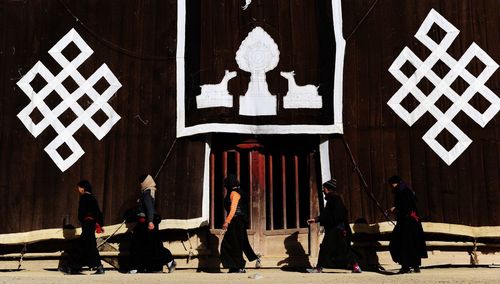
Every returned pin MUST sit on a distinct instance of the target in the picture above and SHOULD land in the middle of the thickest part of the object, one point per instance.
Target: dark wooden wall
(468, 191)
(137, 40)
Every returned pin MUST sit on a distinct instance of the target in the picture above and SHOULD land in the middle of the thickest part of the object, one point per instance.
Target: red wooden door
(278, 175)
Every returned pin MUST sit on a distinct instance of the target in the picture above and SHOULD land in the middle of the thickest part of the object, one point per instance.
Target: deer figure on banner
(216, 95)
(300, 96)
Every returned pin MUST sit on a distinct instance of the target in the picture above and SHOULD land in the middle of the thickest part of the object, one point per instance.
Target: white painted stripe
(338, 85)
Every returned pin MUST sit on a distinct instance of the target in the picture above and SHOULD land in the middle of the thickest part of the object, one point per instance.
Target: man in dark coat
(90, 216)
(335, 250)
(407, 245)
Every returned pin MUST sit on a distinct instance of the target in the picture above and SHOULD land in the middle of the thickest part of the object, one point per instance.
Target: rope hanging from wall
(110, 44)
(364, 185)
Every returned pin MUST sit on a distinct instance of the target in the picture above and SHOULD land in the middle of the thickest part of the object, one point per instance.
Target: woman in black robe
(235, 241)
(407, 245)
(147, 251)
(85, 252)
(335, 249)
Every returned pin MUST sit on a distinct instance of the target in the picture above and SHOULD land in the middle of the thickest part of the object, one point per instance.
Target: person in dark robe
(147, 251)
(335, 249)
(90, 216)
(235, 241)
(407, 243)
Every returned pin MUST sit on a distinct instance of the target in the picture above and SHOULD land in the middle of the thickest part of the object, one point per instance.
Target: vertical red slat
(271, 189)
(297, 199)
(260, 199)
(224, 171)
(238, 167)
(283, 188)
(212, 190)
(250, 185)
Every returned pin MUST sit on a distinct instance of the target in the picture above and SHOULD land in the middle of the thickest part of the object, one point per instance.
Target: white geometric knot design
(68, 100)
(460, 102)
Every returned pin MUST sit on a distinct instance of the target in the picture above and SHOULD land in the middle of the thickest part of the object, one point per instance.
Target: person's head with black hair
(231, 182)
(84, 186)
(394, 181)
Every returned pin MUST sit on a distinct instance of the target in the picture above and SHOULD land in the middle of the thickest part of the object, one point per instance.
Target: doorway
(278, 174)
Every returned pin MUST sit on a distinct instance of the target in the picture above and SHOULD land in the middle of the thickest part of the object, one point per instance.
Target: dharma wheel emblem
(259, 54)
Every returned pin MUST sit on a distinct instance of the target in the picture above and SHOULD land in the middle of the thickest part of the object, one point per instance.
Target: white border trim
(337, 127)
(179, 66)
(206, 184)
(324, 158)
(338, 86)
(324, 154)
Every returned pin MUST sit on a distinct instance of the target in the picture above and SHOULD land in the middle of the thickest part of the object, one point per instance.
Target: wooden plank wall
(467, 192)
(136, 39)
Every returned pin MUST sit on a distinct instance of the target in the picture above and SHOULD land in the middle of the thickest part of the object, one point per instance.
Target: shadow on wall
(365, 246)
(70, 242)
(208, 253)
(298, 259)
(119, 243)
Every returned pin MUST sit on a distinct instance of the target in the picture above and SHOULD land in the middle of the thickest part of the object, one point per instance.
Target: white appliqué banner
(245, 72)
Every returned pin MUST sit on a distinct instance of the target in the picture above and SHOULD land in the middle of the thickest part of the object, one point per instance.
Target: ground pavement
(44, 271)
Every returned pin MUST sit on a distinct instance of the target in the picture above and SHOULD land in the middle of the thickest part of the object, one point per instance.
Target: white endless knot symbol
(442, 87)
(69, 100)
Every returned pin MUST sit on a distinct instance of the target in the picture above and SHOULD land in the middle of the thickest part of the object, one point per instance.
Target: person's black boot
(404, 269)
(70, 271)
(65, 270)
(99, 270)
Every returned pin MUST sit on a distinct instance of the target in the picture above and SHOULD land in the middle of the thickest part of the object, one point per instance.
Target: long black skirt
(335, 250)
(235, 243)
(84, 250)
(147, 251)
(407, 245)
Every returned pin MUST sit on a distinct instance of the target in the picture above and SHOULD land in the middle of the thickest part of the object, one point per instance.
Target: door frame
(324, 168)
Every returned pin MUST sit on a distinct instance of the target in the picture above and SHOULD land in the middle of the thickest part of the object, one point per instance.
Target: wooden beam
(378, 228)
(61, 234)
(430, 227)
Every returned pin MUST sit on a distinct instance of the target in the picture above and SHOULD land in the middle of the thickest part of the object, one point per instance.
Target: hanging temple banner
(260, 68)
